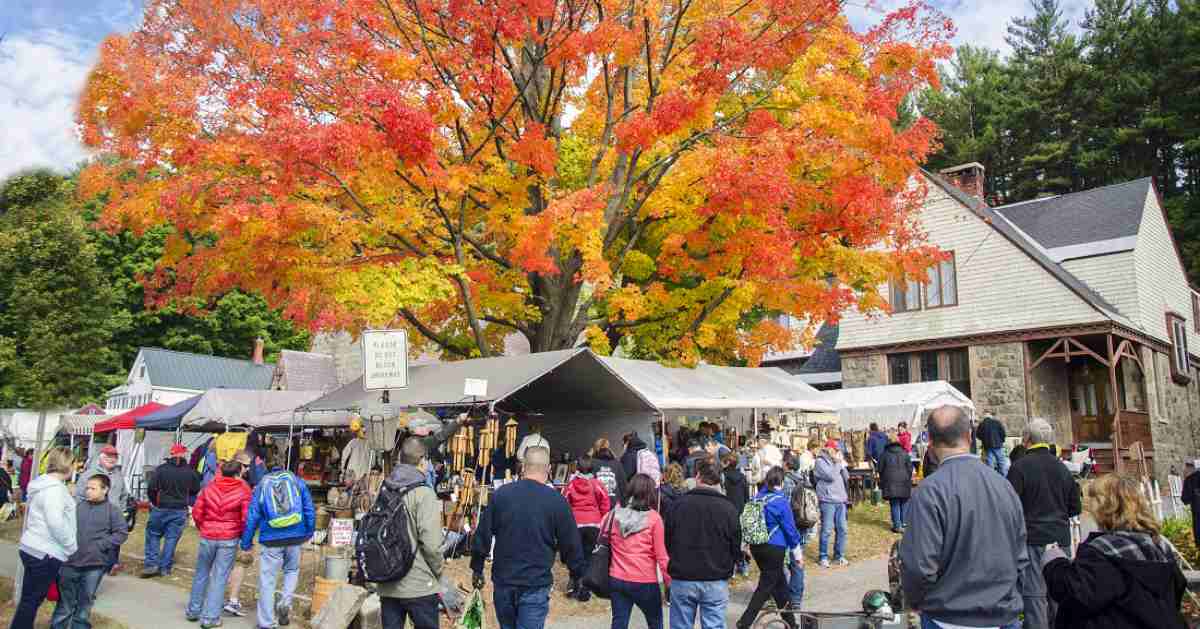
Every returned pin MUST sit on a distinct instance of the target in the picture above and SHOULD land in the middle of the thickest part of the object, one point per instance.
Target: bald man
(530, 523)
(964, 546)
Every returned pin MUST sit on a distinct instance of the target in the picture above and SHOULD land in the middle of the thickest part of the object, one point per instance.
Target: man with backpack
(282, 514)
(637, 459)
(414, 593)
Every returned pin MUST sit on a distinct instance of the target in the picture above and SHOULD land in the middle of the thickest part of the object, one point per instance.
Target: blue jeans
(796, 574)
(521, 607)
(272, 559)
(39, 574)
(929, 623)
(833, 515)
(214, 560)
(708, 598)
(997, 459)
(164, 528)
(76, 593)
(898, 506)
(646, 596)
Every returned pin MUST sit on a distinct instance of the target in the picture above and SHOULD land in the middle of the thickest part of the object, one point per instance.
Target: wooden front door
(1091, 403)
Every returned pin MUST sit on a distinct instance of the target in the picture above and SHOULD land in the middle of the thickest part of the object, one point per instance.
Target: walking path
(146, 604)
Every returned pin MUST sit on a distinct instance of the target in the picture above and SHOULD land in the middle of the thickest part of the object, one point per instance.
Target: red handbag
(52, 593)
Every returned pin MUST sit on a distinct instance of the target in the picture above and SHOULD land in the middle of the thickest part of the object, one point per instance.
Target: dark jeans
(423, 611)
(772, 583)
(646, 596)
(76, 594)
(587, 537)
(521, 607)
(39, 574)
(898, 506)
(163, 530)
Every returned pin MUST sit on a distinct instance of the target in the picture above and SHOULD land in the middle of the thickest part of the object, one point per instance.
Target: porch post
(1118, 463)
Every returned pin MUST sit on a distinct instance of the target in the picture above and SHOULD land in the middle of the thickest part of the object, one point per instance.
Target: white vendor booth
(888, 405)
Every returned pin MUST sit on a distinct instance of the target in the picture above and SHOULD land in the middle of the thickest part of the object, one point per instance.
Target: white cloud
(41, 76)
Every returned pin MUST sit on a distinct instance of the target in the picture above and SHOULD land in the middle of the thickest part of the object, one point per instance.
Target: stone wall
(864, 370)
(998, 383)
(1050, 399)
(1174, 415)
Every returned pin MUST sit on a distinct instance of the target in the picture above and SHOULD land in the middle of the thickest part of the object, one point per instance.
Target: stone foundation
(998, 383)
(864, 370)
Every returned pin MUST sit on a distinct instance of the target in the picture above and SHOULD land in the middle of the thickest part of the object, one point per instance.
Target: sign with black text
(385, 359)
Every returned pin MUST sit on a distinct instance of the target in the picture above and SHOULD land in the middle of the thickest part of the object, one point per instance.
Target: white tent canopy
(708, 387)
(894, 403)
(251, 408)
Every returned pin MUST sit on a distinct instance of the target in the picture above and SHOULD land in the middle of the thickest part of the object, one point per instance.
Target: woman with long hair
(1124, 575)
(771, 556)
(673, 486)
(49, 536)
(639, 554)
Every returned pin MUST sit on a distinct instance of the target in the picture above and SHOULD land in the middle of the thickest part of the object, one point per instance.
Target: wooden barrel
(321, 593)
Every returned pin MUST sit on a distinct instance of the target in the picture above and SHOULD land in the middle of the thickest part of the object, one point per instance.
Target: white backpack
(647, 464)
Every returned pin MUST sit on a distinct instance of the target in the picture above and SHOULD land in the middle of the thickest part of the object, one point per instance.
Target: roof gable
(825, 357)
(198, 372)
(306, 371)
(1107, 214)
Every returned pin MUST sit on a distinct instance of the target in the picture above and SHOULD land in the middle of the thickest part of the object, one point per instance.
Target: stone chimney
(257, 357)
(969, 178)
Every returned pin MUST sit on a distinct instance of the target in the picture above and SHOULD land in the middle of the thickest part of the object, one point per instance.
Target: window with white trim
(1177, 328)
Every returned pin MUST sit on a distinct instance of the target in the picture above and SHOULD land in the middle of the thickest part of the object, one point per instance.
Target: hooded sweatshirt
(832, 480)
(1119, 579)
(117, 493)
(630, 456)
(49, 520)
(425, 530)
(99, 528)
(639, 550)
(588, 499)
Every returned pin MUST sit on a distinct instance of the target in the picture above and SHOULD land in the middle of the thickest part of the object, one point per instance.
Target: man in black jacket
(1191, 497)
(172, 489)
(991, 433)
(703, 539)
(1050, 498)
(529, 522)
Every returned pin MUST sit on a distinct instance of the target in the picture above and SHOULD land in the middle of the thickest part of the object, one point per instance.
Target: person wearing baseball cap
(172, 489)
(107, 463)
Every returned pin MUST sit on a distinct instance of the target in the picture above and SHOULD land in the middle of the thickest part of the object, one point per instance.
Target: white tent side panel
(888, 405)
(150, 453)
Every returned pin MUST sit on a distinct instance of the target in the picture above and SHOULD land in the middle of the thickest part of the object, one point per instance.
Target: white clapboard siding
(1162, 284)
(1000, 287)
(1113, 276)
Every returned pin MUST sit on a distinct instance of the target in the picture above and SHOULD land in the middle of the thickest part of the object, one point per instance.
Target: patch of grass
(7, 609)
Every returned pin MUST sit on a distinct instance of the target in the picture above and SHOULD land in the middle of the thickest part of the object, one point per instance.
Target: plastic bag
(474, 615)
(452, 597)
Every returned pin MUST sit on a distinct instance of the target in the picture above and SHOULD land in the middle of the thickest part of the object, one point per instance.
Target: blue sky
(49, 45)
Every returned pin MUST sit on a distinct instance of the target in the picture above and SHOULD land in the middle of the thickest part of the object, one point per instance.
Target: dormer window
(1177, 328)
(142, 372)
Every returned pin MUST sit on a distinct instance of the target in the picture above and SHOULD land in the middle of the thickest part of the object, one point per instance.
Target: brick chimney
(969, 178)
(257, 357)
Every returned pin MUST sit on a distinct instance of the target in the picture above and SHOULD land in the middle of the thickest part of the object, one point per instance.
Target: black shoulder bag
(596, 578)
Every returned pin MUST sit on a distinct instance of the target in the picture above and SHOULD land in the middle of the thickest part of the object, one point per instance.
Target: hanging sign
(475, 387)
(341, 532)
(385, 359)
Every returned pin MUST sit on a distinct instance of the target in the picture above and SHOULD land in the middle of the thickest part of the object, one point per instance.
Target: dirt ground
(43, 619)
(869, 536)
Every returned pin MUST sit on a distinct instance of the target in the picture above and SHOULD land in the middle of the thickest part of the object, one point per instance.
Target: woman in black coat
(1123, 576)
(895, 479)
(737, 488)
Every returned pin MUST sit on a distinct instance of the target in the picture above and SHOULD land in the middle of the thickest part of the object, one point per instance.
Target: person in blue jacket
(771, 557)
(282, 514)
(877, 441)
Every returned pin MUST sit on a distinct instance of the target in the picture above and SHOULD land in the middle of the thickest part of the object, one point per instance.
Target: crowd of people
(979, 548)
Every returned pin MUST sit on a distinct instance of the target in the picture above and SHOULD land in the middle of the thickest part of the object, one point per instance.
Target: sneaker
(191, 618)
(233, 608)
(149, 572)
(842, 562)
(211, 625)
(824, 563)
(281, 616)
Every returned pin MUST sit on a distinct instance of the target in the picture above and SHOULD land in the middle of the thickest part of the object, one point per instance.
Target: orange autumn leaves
(641, 174)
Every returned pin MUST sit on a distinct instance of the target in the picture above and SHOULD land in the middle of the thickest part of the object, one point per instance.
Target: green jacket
(425, 529)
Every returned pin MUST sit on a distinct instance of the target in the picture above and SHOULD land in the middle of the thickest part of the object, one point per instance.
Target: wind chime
(510, 444)
(487, 442)
(462, 446)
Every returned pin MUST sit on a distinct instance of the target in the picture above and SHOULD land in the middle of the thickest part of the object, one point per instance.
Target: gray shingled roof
(307, 371)
(1001, 224)
(1093, 215)
(825, 357)
(182, 370)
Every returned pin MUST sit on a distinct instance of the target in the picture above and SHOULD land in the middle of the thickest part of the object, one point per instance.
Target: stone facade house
(1074, 308)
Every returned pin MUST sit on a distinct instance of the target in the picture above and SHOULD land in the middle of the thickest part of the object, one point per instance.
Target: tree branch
(428, 333)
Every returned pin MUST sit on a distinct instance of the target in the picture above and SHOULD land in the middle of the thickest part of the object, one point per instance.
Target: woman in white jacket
(49, 535)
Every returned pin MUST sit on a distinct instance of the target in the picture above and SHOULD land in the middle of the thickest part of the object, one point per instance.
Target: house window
(942, 287)
(951, 365)
(142, 372)
(905, 296)
(1177, 327)
(1196, 312)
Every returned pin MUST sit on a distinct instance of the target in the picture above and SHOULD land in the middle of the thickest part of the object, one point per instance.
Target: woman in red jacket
(589, 502)
(639, 555)
(220, 516)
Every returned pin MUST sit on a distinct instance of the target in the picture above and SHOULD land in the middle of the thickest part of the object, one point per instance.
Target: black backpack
(384, 550)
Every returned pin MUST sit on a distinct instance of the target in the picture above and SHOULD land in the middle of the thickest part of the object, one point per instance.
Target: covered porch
(1092, 385)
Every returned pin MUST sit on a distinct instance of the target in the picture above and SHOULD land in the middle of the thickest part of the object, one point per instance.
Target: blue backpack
(281, 500)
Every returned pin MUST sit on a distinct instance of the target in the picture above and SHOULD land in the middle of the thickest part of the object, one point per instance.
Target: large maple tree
(656, 173)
